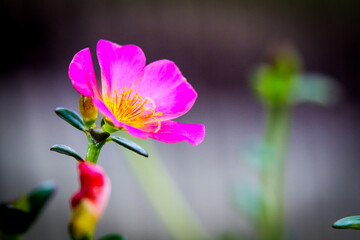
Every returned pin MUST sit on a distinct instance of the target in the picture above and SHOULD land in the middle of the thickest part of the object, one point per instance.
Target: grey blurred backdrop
(216, 44)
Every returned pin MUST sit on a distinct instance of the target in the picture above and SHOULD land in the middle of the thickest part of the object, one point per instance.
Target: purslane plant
(139, 99)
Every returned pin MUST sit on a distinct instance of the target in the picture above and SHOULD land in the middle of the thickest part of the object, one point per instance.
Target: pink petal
(172, 132)
(81, 73)
(166, 86)
(120, 66)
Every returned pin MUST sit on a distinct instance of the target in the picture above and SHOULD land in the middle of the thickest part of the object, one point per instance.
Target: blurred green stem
(166, 199)
(271, 214)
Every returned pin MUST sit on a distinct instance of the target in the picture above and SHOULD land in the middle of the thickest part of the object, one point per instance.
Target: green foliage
(129, 145)
(71, 117)
(98, 135)
(63, 149)
(13, 220)
(352, 222)
(17, 217)
(112, 236)
(318, 89)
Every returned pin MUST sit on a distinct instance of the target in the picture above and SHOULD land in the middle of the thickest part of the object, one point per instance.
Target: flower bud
(276, 83)
(88, 110)
(90, 201)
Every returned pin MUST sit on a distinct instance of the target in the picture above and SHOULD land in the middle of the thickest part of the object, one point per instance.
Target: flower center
(129, 108)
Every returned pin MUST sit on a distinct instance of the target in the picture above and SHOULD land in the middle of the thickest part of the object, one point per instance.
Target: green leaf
(129, 145)
(98, 135)
(63, 149)
(18, 216)
(317, 88)
(13, 220)
(71, 117)
(112, 236)
(39, 196)
(352, 222)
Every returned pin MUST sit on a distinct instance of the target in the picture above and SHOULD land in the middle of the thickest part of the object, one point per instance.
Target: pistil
(129, 108)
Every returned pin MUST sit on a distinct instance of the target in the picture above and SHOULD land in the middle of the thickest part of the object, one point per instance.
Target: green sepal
(71, 117)
(98, 135)
(102, 122)
(108, 126)
(18, 216)
(129, 145)
(63, 149)
(351, 222)
(112, 236)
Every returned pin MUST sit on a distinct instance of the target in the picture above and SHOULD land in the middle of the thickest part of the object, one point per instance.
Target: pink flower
(90, 201)
(140, 99)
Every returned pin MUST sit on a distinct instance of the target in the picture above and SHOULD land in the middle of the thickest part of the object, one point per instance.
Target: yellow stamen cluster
(129, 108)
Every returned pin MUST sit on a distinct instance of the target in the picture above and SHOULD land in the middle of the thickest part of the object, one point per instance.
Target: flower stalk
(271, 214)
(276, 85)
(93, 149)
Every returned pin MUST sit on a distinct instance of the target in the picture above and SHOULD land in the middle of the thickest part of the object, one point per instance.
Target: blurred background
(216, 44)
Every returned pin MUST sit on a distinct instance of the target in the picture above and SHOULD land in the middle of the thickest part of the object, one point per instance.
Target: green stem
(93, 150)
(164, 196)
(271, 215)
